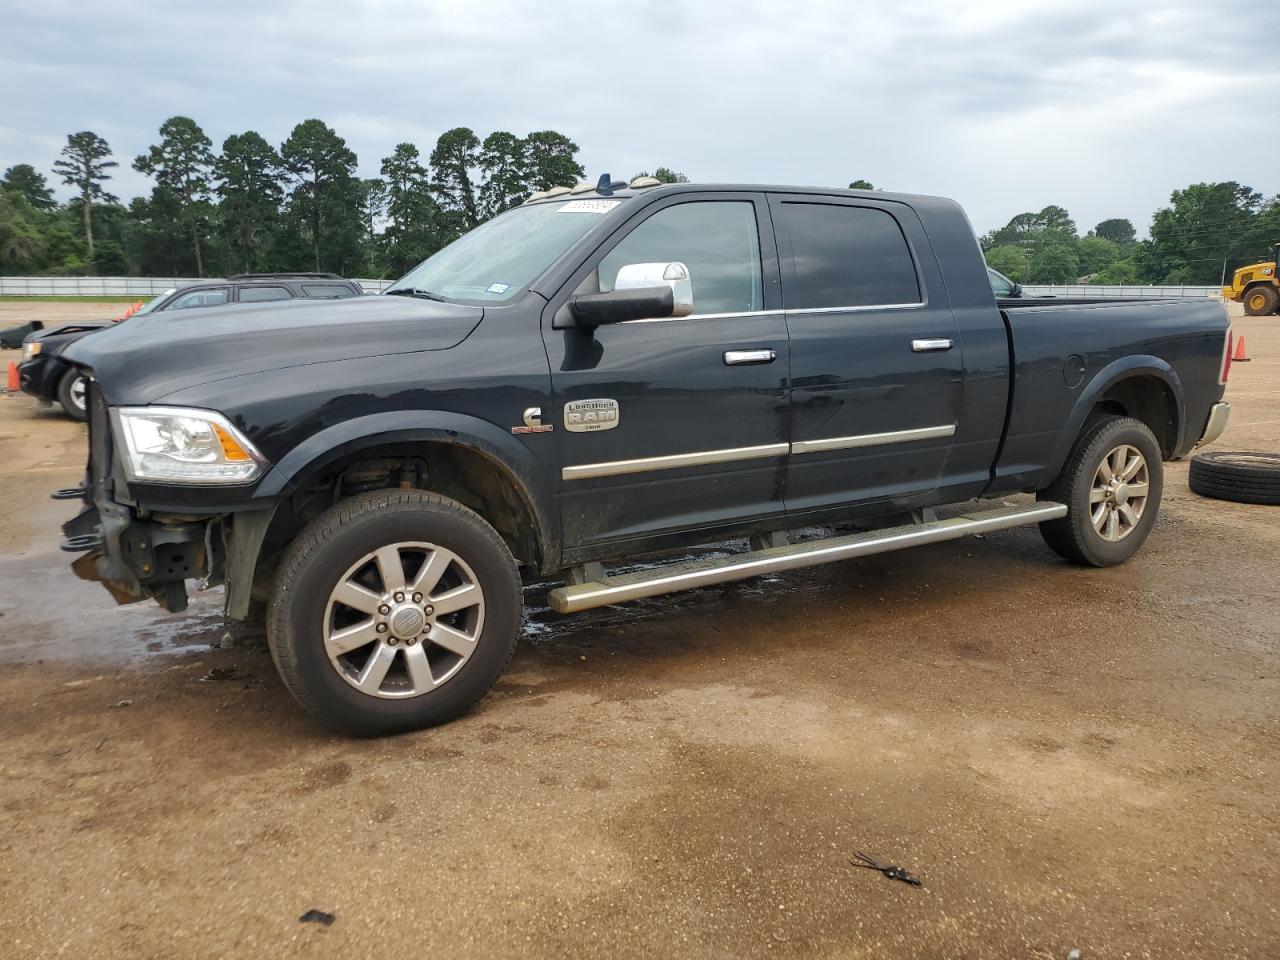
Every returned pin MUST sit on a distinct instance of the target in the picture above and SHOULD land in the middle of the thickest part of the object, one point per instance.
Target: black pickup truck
(606, 372)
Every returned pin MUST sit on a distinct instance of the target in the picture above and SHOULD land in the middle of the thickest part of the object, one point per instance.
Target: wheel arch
(460, 457)
(1143, 387)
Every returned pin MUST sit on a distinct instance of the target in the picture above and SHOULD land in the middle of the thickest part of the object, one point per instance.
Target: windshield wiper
(415, 292)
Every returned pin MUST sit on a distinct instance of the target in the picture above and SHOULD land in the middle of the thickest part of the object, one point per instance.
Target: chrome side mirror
(674, 275)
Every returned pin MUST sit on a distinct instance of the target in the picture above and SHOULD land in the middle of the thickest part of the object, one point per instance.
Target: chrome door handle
(925, 346)
(735, 358)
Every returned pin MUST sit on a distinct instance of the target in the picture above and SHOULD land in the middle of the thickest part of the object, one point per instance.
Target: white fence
(116, 286)
(1128, 290)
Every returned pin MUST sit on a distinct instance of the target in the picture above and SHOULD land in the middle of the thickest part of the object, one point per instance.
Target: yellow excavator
(1257, 286)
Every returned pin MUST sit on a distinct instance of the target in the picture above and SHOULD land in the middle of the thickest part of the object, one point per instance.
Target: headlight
(29, 350)
(184, 445)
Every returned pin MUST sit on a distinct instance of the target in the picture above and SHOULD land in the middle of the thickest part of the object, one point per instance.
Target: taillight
(1226, 356)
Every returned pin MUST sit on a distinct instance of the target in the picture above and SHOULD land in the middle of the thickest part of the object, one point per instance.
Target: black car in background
(45, 375)
(11, 338)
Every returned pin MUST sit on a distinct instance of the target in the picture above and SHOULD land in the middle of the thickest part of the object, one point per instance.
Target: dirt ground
(1069, 758)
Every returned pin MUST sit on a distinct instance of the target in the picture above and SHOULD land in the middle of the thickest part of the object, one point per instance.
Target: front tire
(1111, 483)
(394, 610)
(73, 394)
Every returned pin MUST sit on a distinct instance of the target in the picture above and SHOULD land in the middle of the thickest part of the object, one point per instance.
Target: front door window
(717, 240)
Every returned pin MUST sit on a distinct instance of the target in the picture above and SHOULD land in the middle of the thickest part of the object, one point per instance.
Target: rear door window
(262, 294)
(327, 291)
(846, 256)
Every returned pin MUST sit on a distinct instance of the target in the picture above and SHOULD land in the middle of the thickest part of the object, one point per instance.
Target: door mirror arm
(618, 306)
(641, 291)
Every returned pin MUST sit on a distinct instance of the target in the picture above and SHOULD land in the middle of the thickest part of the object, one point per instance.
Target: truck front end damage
(144, 559)
(135, 550)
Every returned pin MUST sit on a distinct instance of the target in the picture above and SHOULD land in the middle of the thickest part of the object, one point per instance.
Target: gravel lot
(1069, 758)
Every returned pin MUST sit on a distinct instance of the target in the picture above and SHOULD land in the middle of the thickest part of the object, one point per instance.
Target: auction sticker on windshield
(589, 206)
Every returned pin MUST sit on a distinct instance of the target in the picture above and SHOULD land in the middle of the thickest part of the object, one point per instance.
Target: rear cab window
(846, 256)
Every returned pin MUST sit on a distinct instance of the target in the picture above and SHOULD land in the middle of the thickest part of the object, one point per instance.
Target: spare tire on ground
(1240, 476)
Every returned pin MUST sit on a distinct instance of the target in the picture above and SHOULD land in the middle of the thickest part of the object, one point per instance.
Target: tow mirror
(642, 291)
(675, 275)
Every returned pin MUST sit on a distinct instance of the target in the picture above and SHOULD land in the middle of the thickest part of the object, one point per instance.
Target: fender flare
(527, 475)
(398, 426)
(1126, 368)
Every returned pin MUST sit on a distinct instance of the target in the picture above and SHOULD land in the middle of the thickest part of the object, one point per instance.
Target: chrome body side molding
(617, 468)
(872, 439)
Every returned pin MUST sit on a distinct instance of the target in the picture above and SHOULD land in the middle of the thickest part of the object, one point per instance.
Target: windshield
(498, 259)
(153, 303)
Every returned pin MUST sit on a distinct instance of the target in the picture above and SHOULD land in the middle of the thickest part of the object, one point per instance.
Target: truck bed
(1067, 352)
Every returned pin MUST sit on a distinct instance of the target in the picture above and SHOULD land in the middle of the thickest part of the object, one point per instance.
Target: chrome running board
(604, 590)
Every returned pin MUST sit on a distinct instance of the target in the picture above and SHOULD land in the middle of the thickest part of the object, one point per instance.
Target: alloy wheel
(80, 392)
(1118, 495)
(403, 620)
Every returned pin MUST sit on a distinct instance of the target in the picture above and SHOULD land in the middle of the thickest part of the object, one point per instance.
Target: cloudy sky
(1102, 106)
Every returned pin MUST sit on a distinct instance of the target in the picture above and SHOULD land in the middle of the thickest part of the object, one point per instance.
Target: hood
(155, 354)
(67, 332)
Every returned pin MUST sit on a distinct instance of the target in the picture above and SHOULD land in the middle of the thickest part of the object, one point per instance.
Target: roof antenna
(606, 185)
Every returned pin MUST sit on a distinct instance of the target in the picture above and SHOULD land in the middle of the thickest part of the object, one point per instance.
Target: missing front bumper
(140, 559)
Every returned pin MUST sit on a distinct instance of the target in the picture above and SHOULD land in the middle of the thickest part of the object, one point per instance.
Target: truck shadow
(936, 597)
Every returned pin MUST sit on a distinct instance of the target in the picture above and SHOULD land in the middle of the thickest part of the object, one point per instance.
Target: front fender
(333, 443)
(1119, 370)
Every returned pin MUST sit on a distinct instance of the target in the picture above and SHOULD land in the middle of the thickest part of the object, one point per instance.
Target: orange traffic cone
(1240, 356)
(13, 377)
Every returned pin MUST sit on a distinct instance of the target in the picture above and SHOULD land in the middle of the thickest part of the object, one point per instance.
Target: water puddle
(48, 613)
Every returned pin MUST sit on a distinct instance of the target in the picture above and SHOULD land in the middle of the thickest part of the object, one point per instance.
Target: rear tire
(340, 581)
(1111, 483)
(1261, 301)
(73, 394)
